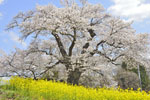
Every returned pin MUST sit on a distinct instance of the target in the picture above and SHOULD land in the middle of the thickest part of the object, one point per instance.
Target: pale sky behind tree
(137, 11)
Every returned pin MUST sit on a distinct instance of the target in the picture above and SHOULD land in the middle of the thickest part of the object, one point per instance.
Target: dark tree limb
(73, 43)
(60, 45)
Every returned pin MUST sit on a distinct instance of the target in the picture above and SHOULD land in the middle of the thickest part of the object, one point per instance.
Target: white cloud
(1, 1)
(136, 10)
(16, 39)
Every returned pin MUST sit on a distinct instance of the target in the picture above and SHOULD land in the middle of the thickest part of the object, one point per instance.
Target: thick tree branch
(62, 51)
(60, 45)
(73, 43)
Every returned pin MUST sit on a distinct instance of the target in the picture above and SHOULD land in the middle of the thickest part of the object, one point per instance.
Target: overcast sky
(132, 10)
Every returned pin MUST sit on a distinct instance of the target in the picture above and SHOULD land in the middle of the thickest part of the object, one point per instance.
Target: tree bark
(62, 51)
(74, 76)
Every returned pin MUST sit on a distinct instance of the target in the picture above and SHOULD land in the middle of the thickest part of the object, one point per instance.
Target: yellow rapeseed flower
(51, 90)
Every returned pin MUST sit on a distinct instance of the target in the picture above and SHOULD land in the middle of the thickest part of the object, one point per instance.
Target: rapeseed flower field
(50, 90)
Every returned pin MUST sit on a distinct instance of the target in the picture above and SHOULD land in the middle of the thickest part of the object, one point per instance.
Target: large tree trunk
(74, 76)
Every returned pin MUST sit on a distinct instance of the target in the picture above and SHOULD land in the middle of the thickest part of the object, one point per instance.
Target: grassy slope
(11, 95)
(28, 89)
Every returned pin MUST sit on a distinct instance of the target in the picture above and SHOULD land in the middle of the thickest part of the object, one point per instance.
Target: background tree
(79, 37)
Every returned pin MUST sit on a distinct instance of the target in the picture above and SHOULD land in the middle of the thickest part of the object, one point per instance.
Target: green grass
(6, 94)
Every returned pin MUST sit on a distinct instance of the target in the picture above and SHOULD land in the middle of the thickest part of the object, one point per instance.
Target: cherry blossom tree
(80, 37)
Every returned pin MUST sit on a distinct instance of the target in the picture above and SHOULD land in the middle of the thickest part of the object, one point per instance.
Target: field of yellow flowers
(48, 90)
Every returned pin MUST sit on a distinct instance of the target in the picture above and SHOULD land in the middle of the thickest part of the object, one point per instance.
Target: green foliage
(9, 94)
(127, 80)
(134, 70)
(144, 77)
